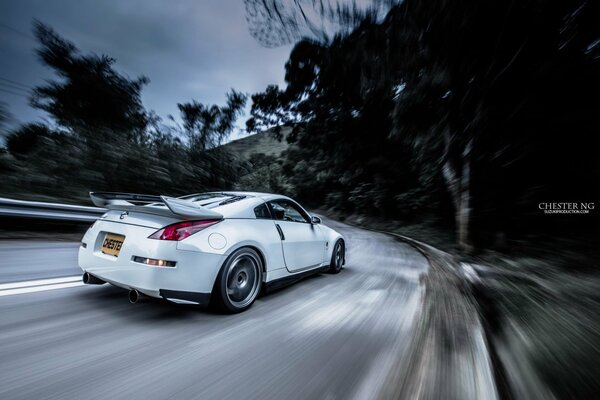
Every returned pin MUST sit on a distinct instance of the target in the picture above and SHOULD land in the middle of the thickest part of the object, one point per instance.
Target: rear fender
(229, 235)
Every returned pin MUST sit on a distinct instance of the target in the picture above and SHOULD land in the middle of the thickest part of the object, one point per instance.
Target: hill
(263, 142)
(260, 154)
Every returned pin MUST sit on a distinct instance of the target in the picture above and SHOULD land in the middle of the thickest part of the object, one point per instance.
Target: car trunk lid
(139, 218)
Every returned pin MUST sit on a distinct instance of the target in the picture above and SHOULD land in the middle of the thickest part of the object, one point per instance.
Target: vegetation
(104, 139)
(467, 115)
(473, 112)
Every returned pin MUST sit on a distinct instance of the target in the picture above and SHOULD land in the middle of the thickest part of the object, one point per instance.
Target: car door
(302, 242)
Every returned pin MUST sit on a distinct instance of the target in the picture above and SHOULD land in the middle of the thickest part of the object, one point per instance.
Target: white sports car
(220, 247)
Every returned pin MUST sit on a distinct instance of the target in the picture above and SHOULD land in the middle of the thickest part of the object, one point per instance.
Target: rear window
(212, 200)
(262, 212)
(201, 196)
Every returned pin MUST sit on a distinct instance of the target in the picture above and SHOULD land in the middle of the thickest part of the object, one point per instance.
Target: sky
(190, 49)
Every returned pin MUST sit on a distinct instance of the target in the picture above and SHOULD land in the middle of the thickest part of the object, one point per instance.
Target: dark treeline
(471, 112)
(465, 113)
(102, 138)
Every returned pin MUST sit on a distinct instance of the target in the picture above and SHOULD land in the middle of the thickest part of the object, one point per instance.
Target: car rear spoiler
(150, 204)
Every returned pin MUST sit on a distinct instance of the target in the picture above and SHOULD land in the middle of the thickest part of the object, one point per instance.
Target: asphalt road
(22, 260)
(327, 337)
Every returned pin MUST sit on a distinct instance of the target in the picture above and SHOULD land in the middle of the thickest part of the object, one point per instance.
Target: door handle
(281, 235)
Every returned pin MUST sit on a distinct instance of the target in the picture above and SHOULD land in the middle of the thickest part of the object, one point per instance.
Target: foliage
(207, 126)
(470, 110)
(90, 94)
(104, 139)
(343, 155)
(277, 22)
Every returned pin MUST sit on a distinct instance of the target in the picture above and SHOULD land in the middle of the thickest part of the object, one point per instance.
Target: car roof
(244, 207)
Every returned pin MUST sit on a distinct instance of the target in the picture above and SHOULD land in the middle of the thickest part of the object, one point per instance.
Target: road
(326, 337)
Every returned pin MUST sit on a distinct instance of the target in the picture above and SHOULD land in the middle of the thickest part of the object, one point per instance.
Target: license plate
(112, 244)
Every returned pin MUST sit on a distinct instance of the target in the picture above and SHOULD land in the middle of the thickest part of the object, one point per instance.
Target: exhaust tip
(134, 296)
(91, 280)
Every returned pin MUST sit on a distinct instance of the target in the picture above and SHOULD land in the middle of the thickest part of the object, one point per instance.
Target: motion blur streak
(39, 282)
(26, 260)
(325, 337)
(9, 289)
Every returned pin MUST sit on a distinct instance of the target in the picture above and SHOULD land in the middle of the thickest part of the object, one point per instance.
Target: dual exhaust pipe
(89, 279)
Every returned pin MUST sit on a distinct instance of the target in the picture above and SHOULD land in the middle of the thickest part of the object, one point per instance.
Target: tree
(104, 139)
(89, 96)
(483, 77)
(343, 152)
(277, 22)
(207, 126)
(481, 93)
(26, 139)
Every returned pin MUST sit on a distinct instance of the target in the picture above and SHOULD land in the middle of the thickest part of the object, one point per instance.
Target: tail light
(181, 230)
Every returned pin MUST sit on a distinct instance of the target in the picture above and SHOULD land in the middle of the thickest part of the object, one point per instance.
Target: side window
(262, 211)
(287, 211)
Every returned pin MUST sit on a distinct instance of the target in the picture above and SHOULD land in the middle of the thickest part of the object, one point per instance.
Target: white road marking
(39, 285)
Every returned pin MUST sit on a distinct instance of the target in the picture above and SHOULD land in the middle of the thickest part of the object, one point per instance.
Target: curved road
(326, 337)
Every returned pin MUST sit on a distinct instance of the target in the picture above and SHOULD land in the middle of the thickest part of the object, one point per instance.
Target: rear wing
(149, 204)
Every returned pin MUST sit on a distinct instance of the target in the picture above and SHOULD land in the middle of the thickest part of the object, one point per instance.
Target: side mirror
(315, 220)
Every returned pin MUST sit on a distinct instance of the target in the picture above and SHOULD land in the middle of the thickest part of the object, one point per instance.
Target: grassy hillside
(257, 162)
(263, 142)
(261, 155)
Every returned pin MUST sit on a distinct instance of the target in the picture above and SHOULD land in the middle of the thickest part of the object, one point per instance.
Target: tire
(239, 281)
(337, 257)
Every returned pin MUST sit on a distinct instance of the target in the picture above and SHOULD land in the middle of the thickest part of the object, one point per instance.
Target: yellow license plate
(112, 244)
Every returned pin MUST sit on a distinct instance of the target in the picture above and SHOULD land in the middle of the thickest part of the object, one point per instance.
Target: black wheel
(239, 281)
(337, 257)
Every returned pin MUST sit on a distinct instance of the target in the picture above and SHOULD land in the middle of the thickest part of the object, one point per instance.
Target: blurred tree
(208, 126)
(340, 112)
(104, 139)
(277, 22)
(90, 97)
(495, 81)
(474, 97)
(26, 139)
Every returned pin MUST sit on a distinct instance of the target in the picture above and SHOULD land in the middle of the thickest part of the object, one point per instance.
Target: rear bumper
(178, 296)
(175, 296)
(191, 280)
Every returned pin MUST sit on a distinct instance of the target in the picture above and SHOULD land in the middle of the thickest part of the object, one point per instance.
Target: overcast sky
(190, 49)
